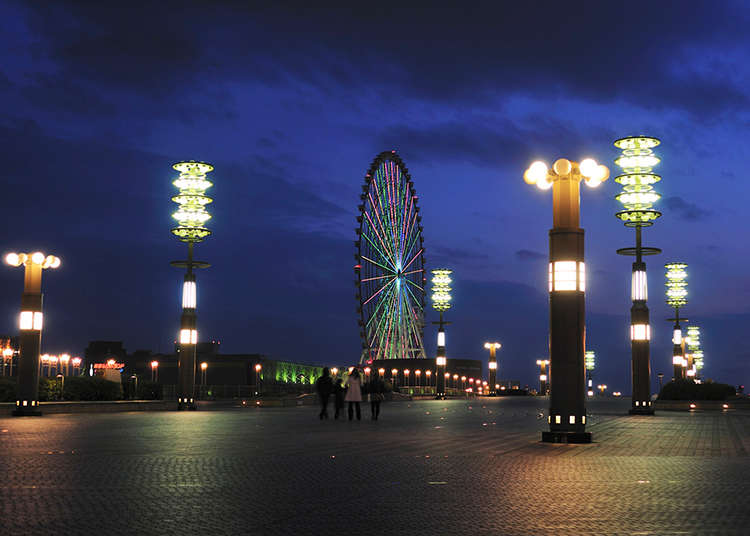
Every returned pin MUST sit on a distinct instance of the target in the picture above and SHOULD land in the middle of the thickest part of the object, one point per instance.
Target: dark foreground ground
(429, 467)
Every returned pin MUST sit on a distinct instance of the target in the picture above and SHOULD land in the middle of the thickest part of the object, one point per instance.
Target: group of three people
(351, 392)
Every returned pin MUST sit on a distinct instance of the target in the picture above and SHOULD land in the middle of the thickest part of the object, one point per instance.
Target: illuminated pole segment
(638, 198)
(590, 363)
(677, 297)
(30, 326)
(543, 376)
(191, 216)
(567, 286)
(441, 302)
(492, 365)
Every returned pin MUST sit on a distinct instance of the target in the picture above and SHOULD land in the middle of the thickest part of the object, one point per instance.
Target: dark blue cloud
(291, 102)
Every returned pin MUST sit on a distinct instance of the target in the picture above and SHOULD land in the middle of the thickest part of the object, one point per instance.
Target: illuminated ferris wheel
(390, 263)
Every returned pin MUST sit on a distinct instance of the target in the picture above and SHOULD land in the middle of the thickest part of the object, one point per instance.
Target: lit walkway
(424, 468)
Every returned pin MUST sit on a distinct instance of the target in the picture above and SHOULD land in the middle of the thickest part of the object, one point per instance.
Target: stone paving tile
(455, 467)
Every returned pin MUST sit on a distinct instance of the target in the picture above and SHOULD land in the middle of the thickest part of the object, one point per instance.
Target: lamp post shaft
(567, 342)
(30, 343)
(640, 343)
(640, 357)
(493, 370)
(188, 343)
(543, 382)
(440, 369)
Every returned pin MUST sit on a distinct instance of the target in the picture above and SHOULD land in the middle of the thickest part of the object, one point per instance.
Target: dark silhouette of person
(354, 393)
(376, 390)
(338, 393)
(324, 386)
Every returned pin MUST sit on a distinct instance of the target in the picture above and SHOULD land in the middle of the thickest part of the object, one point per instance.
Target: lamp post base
(27, 412)
(186, 405)
(566, 437)
(641, 411)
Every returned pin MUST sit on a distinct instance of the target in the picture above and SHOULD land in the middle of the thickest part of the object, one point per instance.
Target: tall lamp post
(638, 198)
(543, 376)
(30, 326)
(258, 368)
(191, 217)
(589, 359)
(492, 365)
(567, 286)
(676, 298)
(441, 302)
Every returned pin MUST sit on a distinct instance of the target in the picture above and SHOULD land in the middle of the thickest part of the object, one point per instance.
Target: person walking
(338, 400)
(324, 386)
(354, 393)
(376, 390)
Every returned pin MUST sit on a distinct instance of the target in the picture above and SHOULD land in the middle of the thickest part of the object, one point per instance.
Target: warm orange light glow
(394, 371)
(258, 367)
(447, 375)
(111, 362)
(428, 372)
(154, 364)
(204, 365)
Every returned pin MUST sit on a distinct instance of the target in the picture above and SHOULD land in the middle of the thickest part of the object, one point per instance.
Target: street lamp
(676, 298)
(65, 364)
(8, 355)
(543, 377)
(638, 198)
(204, 369)
(601, 388)
(394, 376)
(258, 368)
(441, 302)
(567, 286)
(428, 377)
(589, 360)
(406, 376)
(492, 364)
(418, 381)
(154, 371)
(191, 217)
(30, 325)
(381, 372)
(76, 366)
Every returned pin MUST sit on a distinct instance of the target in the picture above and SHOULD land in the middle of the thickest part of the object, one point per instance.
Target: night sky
(291, 104)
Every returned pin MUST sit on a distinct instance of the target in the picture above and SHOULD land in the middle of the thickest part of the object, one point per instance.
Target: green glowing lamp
(192, 214)
(638, 195)
(590, 359)
(676, 284)
(441, 297)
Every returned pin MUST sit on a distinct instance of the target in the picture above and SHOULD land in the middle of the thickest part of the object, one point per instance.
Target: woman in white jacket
(354, 393)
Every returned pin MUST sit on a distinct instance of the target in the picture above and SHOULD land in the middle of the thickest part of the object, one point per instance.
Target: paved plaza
(426, 467)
